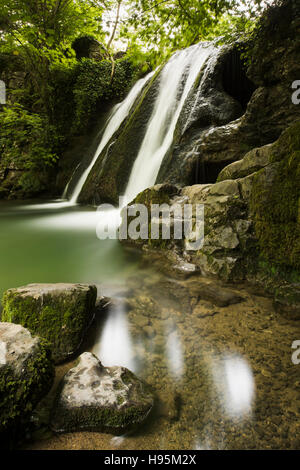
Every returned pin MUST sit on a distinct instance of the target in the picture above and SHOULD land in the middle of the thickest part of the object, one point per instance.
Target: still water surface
(40, 243)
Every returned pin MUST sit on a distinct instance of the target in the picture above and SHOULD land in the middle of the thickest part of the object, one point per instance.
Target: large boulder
(61, 313)
(228, 232)
(97, 398)
(26, 374)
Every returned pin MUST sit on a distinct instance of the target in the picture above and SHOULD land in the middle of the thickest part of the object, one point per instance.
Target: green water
(56, 245)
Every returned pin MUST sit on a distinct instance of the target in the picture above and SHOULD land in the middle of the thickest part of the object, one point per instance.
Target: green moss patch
(275, 203)
(61, 318)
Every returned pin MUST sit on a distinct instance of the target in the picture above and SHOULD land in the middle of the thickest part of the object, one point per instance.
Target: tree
(162, 26)
(41, 32)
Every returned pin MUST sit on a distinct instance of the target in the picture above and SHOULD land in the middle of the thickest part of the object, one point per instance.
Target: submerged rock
(61, 313)
(98, 398)
(213, 292)
(287, 301)
(26, 374)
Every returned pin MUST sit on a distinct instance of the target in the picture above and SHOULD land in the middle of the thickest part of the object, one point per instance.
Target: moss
(111, 419)
(275, 203)
(123, 416)
(62, 321)
(19, 395)
(148, 197)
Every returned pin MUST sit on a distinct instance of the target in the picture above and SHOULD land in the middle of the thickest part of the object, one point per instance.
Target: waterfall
(183, 65)
(118, 115)
(175, 83)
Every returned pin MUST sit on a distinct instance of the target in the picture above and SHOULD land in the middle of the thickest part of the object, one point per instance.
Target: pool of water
(223, 377)
(56, 243)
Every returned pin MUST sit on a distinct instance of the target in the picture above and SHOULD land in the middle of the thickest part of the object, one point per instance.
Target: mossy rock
(160, 194)
(60, 313)
(275, 202)
(26, 375)
(92, 397)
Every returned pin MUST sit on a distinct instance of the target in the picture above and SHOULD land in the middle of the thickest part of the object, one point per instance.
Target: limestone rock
(26, 374)
(253, 161)
(60, 313)
(98, 398)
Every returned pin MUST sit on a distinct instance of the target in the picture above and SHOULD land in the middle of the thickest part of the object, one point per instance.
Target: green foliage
(93, 85)
(27, 142)
(26, 139)
(256, 35)
(276, 205)
(164, 26)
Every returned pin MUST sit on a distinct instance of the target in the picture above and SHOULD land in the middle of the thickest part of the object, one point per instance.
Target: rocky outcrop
(26, 375)
(251, 222)
(253, 161)
(88, 47)
(213, 103)
(61, 313)
(263, 89)
(228, 232)
(97, 398)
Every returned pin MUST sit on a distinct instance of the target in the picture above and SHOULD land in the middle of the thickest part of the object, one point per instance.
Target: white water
(115, 346)
(162, 124)
(119, 113)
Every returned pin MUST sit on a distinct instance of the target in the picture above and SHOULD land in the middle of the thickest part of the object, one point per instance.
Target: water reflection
(236, 386)
(174, 352)
(57, 204)
(115, 347)
(80, 221)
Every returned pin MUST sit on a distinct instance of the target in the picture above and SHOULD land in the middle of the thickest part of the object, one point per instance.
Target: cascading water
(185, 64)
(119, 113)
(176, 80)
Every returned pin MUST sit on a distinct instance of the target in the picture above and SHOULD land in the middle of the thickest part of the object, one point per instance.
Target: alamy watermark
(2, 92)
(155, 222)
(3, 352)
(296, 354)
(296, 94)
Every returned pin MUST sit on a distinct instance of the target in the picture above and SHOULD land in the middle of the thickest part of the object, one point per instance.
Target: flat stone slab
(61, 313)
(97, 398)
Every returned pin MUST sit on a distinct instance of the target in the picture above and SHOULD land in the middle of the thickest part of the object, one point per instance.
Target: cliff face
(263, 90)
(232, 108)
(252, 222)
